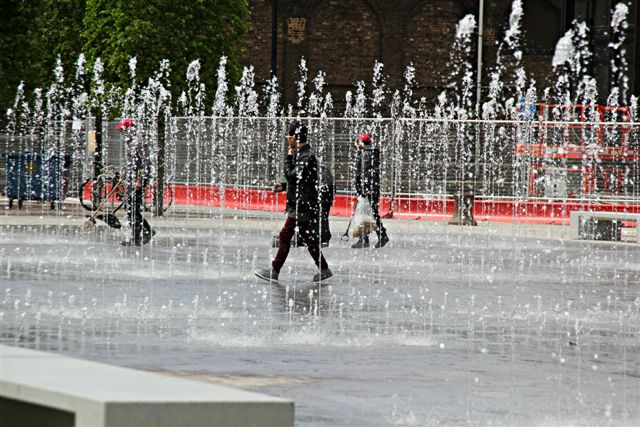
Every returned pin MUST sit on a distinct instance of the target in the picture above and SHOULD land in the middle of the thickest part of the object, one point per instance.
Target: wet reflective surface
(444, 326)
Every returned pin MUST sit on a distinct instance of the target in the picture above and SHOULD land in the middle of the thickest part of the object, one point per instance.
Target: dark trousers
(133, 206)
(308, 236)
(373, 201)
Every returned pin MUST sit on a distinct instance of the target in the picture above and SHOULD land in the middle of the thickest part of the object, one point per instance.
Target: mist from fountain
(498, 324)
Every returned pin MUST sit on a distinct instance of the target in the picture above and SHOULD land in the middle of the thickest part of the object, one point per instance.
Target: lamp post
(274, 37)
(476, 171)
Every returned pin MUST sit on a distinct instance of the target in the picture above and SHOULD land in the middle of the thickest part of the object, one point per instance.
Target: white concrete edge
(101, 393)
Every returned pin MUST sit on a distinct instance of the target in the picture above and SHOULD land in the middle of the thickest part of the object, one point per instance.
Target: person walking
(135, 171)
(327, 194)
(303, 206)
(367, 183)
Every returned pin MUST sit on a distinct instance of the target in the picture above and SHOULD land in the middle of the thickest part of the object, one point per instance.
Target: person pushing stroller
(135, 171)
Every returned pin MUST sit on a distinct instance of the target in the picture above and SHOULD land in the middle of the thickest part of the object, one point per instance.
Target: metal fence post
(159, 196)
(97, 155)
(394, 167)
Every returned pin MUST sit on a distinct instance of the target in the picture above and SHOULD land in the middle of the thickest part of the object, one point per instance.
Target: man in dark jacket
(327, 194)
(367, 182)
(303, 206)
(135, 171)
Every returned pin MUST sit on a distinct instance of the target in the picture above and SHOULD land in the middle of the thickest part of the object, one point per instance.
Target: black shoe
(322, 276)
(268, 274)
(383, 240)
(362, 243)
(147, 235)
(131, 243)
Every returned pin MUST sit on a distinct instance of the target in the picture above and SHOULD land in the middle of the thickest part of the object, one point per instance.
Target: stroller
(103, 196)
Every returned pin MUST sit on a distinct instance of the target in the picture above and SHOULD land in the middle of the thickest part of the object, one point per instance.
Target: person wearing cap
(135, 170)
(303, 206)
(367, 183)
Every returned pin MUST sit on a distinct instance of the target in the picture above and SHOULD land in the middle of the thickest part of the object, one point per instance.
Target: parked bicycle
(152, 196)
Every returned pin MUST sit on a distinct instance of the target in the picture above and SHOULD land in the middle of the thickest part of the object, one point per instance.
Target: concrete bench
(579, 218)
(46, 389)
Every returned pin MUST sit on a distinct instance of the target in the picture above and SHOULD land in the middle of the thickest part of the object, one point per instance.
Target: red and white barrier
(494, 210)
(434, 209)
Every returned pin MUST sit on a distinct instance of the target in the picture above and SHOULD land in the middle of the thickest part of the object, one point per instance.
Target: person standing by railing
(367, 183)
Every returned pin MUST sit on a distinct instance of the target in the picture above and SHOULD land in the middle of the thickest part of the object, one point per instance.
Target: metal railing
(524, 159)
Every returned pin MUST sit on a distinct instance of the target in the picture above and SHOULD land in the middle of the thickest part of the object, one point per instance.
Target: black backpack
(326, 186)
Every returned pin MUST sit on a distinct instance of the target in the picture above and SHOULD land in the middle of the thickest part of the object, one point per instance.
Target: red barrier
(236, 198)
(541, 212)
(406, 208)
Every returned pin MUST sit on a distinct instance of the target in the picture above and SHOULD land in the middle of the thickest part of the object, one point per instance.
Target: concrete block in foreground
(38, 388)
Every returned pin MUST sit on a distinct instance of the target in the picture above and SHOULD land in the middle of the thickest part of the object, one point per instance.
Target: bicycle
(151, 198)
(98, 193)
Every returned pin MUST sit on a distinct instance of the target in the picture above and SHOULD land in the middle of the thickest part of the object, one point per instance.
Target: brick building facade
(343, 38)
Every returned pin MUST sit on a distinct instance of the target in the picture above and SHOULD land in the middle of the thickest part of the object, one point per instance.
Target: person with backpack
(303, 206)
(367, 183)
(327, 195)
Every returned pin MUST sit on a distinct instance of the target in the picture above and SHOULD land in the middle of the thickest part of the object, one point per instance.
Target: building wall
(258, 39)
(343, 38)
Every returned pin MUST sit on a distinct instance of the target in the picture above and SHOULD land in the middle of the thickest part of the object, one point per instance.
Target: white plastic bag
(363, 221)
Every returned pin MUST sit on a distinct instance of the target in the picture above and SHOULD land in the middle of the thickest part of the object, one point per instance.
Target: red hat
(364, 138)
(125, 123)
